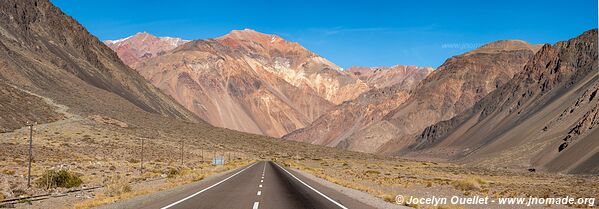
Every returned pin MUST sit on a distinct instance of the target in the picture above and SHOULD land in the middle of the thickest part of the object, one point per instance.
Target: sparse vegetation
(417, 179)
(466, 185)
(190, 176)
(116, 185)
(172, 172)
(8, 172)
(58, 178)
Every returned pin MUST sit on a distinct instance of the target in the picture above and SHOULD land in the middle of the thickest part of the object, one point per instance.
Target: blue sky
(349, 33)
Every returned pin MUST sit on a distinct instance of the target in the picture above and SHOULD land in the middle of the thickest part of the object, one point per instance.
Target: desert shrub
(372, 172)
(133, 160)
(481, 181)
(60, 178)
(389, 198)
(466, 185)
(116, 185)
(172, 172)
(9, 172)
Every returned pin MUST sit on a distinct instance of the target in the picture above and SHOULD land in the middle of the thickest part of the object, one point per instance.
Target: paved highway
(262, 185)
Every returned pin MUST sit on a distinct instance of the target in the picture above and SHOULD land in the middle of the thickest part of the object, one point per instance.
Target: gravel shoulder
(143, 199)
(354, 194)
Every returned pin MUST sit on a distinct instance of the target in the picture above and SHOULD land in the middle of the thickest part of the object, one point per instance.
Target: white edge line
(207, 188)
(320, 193)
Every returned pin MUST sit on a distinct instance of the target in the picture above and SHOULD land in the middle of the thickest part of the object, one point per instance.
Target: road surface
(262, 185)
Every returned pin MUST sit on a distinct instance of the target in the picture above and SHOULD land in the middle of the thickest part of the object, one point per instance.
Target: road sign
(218, 160)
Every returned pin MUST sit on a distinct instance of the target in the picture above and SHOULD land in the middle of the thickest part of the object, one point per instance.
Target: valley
(149, 121)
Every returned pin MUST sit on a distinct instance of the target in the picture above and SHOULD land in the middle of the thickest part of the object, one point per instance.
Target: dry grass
(466, 185)
(101, 151)
(186, 176)
(116, 185)
(385, 178)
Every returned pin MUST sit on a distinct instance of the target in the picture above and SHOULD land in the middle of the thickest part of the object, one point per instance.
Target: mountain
(546, 117)
(141, 46)
(48, 58)
(390, 87)
(381, 77)
(251, 82)
(451, 89)
(295, 64)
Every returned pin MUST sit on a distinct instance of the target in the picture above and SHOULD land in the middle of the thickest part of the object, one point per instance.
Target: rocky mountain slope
(47, 53)
(390, 87)
(141, 46)
(381, 77)
(546, 117)
(251, 82)
(452, 88)
(18, 107)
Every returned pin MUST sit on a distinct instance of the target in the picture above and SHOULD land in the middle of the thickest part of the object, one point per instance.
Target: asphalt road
(262, 185)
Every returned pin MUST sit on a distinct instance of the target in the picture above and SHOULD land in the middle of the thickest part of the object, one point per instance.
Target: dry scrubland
(81, 153)
(386, 178)
(102, 151)
(106, 153)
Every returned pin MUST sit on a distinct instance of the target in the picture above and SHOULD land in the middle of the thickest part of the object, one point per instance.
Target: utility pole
(142, 156)
(30, 153)
(181, 152)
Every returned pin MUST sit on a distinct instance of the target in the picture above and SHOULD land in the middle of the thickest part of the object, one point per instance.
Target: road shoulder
(360, 196)
(173, 193)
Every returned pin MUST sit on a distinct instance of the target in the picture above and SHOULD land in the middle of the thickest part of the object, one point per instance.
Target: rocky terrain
(390, 87)
(47, 53)
(251, 82)
(381, 77)
(452, 88)
(545, 118)
(142, 46)
(93, 111)
(18, 107)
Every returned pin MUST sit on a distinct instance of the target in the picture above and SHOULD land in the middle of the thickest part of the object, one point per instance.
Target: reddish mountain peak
(506, 45)
(248, 34)
(379, 77)
(142, 45)
(247, 37)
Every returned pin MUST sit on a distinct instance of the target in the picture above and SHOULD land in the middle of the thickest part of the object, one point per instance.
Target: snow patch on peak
(118, 40)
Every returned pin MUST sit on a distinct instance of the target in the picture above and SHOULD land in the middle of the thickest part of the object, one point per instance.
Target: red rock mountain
(47, 59)
(381, 77)
(141, 46)
(251, 82)
(390, 87)
(452, 88)
(546, 117)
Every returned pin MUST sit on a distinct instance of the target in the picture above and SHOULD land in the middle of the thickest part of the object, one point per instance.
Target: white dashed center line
(260, 185)
(261, 181)
(256, 205)
(259, 193)
(207, 188)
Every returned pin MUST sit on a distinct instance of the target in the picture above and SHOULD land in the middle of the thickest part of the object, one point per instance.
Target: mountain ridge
(449, 90)
(553, 96)
(273, 86)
